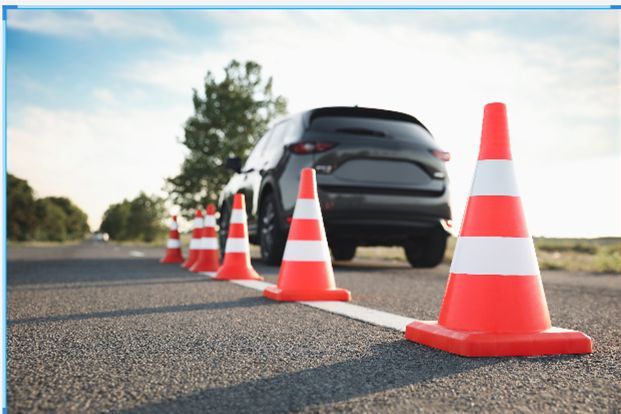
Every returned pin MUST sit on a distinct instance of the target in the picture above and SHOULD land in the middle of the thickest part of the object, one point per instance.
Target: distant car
(381, 180)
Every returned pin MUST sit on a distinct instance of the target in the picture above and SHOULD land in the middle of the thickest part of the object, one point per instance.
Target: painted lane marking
(136, 253)
(349, 310)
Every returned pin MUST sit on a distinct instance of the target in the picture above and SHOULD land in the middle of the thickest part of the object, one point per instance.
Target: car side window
(254, 159)
(275, 147)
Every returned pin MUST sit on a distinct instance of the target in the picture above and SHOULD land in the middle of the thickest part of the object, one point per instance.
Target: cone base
(275, 293)
(237, 274)
(553, 341)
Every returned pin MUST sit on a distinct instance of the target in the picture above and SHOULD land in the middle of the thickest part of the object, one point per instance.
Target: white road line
(136, 253)
(360, 313)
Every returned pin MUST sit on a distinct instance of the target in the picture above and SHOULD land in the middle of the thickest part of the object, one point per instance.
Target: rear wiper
(362, 131)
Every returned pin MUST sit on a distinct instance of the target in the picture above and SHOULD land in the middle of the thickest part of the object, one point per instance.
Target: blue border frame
(5, 9)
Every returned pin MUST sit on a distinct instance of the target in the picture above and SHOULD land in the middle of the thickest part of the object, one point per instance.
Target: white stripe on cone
(198, 222)
(209, 243)
(173, 244)
(307, 209)
(238, 216)
(494, 177)
(210, 221)
(306, 251)
(511, 256)
(174, 226)
(195, 244)
(234, 245)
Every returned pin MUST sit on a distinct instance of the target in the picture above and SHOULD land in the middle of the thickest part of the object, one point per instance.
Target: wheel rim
(268, 223)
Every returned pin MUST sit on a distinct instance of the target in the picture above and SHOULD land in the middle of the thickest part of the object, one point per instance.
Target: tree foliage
(137, 219)
(229, 117)
(49, 218)
(20, 205)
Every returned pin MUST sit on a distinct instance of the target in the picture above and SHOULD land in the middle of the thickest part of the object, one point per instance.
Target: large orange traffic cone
(306, 270)
(197, 230)
(173, 245)
(208, 256)
(494, 304)
(236, 264)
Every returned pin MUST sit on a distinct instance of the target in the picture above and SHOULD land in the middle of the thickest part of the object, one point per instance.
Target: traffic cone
(208, 256)
(306, 271)
(236, 264)
(173, 245)
(197, 230)
(494, 304)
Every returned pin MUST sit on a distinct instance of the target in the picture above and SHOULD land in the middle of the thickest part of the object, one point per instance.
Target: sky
(97, 99)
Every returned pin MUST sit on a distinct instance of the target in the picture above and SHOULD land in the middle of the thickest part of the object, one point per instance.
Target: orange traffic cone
(306, 270)
(173, 245)
(208, 256)
(494, 304)
(236, 264)
(197, 230)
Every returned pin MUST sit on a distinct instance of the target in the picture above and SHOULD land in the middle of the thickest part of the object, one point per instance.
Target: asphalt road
(98, 328)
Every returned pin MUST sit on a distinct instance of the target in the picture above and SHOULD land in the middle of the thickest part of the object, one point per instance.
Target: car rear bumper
(367, 218)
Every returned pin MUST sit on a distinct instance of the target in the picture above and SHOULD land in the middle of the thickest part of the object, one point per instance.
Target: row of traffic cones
(494, 304)
(203, 255)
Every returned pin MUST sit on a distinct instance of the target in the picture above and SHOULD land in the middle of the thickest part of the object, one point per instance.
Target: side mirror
(234, 163)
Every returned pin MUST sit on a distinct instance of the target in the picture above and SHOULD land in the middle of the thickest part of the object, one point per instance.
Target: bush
(138, 219)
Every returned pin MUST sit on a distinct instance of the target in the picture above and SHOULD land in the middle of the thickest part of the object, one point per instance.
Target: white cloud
(81, 23)
(96, 157)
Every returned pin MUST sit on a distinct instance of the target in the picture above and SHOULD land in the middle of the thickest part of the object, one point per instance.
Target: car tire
(223, 229)
(426, 252)
(343, 251)
(272, 238)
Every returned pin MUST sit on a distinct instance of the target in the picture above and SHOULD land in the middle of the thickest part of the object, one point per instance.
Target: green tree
(228, 118)
(51, 221)
(76, 221)
(20, 203)
(115, 220)
(138, 219)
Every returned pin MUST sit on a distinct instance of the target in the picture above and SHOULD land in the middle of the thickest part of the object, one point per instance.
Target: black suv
(380, 175)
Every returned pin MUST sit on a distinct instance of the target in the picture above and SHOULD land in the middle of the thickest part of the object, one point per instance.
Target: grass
(573, 255)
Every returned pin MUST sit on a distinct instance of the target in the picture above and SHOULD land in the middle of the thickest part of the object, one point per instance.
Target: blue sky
(96, 99)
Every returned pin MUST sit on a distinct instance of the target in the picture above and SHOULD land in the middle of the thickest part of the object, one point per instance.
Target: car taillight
(310, 147)
(441, 155)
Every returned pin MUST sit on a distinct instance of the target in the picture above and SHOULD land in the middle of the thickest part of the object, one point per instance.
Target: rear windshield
(370, 127)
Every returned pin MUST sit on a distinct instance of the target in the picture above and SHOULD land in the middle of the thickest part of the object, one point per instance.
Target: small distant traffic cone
(236, 264)
(208, 256)
(494, 304)
(306, 271)
(197, 230)
(173, 245)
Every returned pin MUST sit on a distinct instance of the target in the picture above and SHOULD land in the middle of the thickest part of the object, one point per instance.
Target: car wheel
(344, 251)
(223, 229)
(426, 252)
(271, 238)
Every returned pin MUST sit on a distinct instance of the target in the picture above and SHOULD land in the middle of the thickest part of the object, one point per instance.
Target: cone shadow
(392, 365)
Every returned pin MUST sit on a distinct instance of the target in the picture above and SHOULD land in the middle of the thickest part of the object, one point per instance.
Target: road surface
(103, 328)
